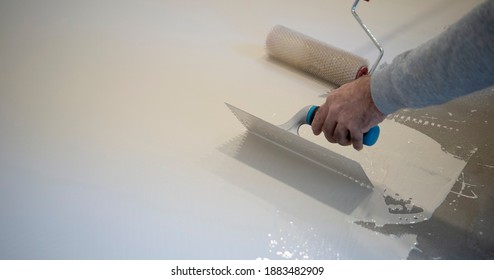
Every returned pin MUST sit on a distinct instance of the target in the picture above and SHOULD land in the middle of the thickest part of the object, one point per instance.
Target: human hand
(347, 114)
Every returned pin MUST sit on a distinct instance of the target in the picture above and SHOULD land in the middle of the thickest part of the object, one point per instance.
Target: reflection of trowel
(286, 136)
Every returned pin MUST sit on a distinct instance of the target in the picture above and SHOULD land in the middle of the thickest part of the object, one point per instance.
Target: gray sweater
(457, 62)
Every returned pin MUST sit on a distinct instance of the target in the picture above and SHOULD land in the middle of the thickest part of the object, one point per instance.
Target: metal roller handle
(374, 40)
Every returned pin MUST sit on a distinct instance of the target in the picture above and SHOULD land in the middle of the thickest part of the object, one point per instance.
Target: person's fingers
(341, 135)
(356, 138)
(319, 118)
(347, 112)
(328, 129)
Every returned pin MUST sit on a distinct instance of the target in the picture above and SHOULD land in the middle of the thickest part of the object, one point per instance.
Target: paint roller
(323, 60)
(318, 58)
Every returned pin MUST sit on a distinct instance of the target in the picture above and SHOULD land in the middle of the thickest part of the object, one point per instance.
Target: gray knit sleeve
(457, 62)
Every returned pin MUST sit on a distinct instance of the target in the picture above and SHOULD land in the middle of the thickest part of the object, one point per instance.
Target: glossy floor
(116, 142)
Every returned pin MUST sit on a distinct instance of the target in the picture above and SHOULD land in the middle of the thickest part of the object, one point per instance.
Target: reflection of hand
(347, 114)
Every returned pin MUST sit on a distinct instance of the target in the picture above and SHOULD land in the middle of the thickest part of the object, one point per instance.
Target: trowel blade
(334, 162)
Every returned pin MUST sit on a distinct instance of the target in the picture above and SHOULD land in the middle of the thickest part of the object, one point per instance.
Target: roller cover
(313, 56)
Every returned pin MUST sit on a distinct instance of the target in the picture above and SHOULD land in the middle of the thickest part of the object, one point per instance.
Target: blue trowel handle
(370, 137)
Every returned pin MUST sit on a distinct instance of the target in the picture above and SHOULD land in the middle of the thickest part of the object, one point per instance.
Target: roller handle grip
(370, 137)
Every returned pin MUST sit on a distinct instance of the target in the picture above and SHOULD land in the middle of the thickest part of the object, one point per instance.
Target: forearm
(457, 62)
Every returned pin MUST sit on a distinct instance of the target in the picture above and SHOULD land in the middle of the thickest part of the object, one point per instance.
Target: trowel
(287, 137)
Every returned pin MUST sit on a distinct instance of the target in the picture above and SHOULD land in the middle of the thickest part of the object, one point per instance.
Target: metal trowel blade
(330, 160)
